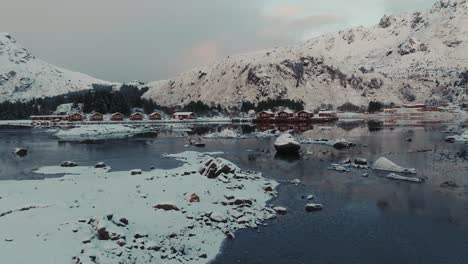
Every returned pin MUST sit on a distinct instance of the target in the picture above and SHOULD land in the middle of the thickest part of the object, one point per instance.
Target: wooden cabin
(136, 116)
(184, 115)
(96, 117)
(285, 114)
(117, 117)
(331, 114)
(304, 115)
(155, 116)
(53, 118)
(76, 117)
(265, 116)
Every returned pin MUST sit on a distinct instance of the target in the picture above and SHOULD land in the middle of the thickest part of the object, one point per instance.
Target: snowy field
(93, 215)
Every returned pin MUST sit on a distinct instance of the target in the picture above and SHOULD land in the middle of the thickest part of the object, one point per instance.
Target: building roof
(183, 113)
(266, 111)
(137, 113)
(75, 113)
(96, 113)
(155, 113)
(305, 111)
(49, 116)
(327, 112)
(287, 111)
(117, 113)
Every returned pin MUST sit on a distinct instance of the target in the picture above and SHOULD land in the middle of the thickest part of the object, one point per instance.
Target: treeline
(272, 104)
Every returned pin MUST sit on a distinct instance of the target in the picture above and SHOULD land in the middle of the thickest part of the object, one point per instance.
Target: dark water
(365, 220)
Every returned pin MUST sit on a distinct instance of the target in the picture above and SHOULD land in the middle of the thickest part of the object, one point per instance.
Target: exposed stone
(313, 207)
(167, 207)
(68, 164)
(20, 152)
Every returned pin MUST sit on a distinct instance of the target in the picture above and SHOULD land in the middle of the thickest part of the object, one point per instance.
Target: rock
(20, 152)
(151, 245)
(218, 217)
(243, 202)
(450, 139)
(123, 221)
(365, 174)
(136, 172)
(68, 164)
(167, 207)
(409, 139)
(194, 198)
(394, 176)
(360, 161)
(346, 161)
(286, 144)
(280, 210)
(313, 207)
(268, 189)
(295, 182)
(342, 144)
(310, 197)
(214, 167)
(204, 256)
(230, 235)
(100, 165)
(449, 184)
(102, 233)
(385, 164)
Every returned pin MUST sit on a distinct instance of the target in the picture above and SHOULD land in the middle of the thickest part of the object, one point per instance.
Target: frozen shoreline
(60, 220)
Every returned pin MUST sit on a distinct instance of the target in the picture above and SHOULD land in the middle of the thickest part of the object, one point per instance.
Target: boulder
(449, 184)
(100, 165)
(295, 182)
(385, 164)
(394, 176)
(286, 144)
(136, 172)
(20, 152)
(310, 197)
(313, 207)
(280, 210)
(167, 207)
(68, 164)
(342, 144)
(450, 139)
(218, 217)
(360, 161)
(214, 167)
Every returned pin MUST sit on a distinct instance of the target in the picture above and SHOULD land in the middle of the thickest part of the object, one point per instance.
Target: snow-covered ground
(102, 131)
(226, 134)
(92, 215)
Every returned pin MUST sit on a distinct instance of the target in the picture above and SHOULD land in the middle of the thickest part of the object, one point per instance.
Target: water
(365, 220)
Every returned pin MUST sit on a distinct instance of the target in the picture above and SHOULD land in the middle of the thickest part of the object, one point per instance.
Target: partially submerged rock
(100, 165)
(295, 182)
(313, 207)
(449, 184)
(280, 210)
(360, 161)
(394, 176)
(68, 164)
(342, 144)
(385, 164)
(20, 152)
(286, 144)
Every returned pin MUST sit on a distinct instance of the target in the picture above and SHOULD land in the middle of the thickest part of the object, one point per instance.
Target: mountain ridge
(413, 57)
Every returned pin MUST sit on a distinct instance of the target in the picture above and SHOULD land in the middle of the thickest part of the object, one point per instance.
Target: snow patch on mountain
(422, 56)
(23, 76)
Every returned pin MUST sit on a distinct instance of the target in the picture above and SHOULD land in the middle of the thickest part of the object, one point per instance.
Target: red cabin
(265, 115)
(76, 117)
(117, 117)
(155, 116)
(285, 114)
(136, 117)
(97, 117)
(184, 115)
(304, 115)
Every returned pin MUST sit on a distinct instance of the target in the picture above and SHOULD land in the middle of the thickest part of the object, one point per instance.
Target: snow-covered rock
(101, 131)
(385, 164)
(408, 57)
(214, 167)
(287, 144)
(394, 176)
(20, 152)
(313, 207)
(23, 76)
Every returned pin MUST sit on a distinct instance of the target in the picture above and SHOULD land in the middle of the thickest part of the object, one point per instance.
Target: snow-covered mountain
(418, 57)
(23, 76)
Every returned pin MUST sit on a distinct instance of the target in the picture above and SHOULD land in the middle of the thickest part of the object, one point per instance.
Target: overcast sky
(147, 40)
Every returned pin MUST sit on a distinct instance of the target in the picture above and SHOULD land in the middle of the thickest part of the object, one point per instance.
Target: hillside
(23, 76)
(418, 57)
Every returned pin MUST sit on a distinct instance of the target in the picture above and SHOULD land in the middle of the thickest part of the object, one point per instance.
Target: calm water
(365, 220)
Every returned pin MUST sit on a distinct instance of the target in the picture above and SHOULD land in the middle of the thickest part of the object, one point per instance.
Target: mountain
(23, 76)
(417, 57)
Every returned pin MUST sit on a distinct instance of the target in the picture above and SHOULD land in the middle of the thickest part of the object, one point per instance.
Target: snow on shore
(226, 134)
(95, 216)
(102, 132)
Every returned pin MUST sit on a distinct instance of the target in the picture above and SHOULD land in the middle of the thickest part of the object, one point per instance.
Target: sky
(148, 40)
